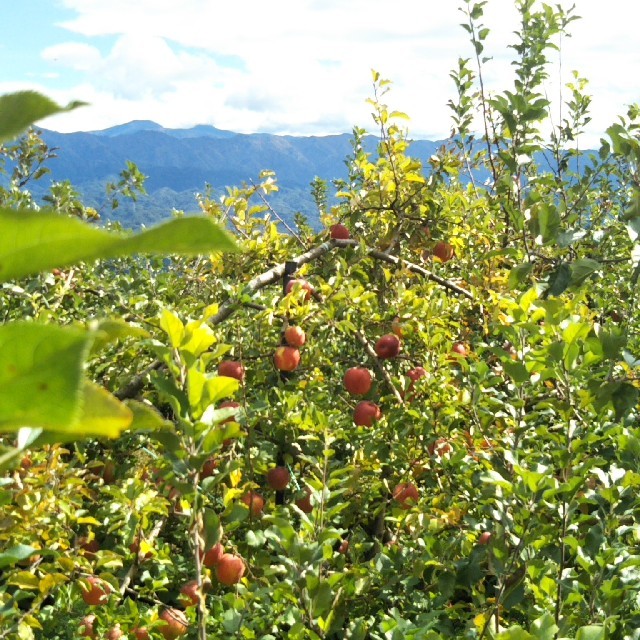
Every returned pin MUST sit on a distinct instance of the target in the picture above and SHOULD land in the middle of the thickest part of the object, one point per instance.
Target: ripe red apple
(339, 232)
(230, 569)
(141, 633)
(255, 502)
(357, 381)
(88, 548)
(231, 369)
(86, 626)
(278, 478)
(286, 358)
(229, 404)
(208, 467)
(406, 494)
(212, 557)
(484, 538)
(176, 623)
(304, 503)
(443, 251)
(189, 594)
(459, 349)
(115, 633)
(388, 346)
(303, 284)
(439, 447)
(414, 375)
(294, 336)
(95, 590)
(344, 547)
(366, 413)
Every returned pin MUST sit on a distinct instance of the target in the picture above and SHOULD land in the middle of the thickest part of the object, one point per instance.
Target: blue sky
(289, 66)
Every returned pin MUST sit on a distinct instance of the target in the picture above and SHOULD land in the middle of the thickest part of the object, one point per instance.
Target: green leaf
(102, 414)
(591, 632)
(41, 375)
(544, 628)
(519, 274)
(582, 269)
(34, 241)
(23, 108)
(517, 371)
(146, 417)
(559, 280)
(16, 554)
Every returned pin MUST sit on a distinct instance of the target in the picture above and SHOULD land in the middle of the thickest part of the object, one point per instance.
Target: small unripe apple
(231, 369)
(278, 478)
(255, 502)
(176, 623)
(212, 557)
(388, 346)
(303, 284)
(286, 358)
(357, 381)
(443, 251)
(339, 232)
(294, 336)
(230, 569)
(396, 327)
(366, 413)
(406, 494)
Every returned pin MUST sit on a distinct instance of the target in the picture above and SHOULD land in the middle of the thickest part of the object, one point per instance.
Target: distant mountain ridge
(180, 162)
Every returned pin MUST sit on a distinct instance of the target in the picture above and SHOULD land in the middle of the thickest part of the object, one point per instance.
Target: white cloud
(303, 66)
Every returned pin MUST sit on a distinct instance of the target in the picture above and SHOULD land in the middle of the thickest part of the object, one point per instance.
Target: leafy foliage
(496, 494)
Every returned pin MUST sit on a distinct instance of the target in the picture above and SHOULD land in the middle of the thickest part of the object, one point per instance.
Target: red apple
(212, 557)
(357, 381)
(176, 623)
(230, 569)
(87, 626)
(459, 350)
(286, 358)
(229, 404)
(208, 467)
(88, 548)
(255, 502)
(303, 284)
(115, 633)
(439, 447)
(339, 232)
(406, 494)
(278, 478)
(443, 251)
(141, 633)
(294, 336)
(484, 538)
(344, 547)
(388, 346)
(190, 594)
(231, 369)
(95, 590)
(304, 503)
(366, 413)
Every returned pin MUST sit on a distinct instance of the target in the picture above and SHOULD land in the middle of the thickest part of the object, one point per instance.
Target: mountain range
(180, 163)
